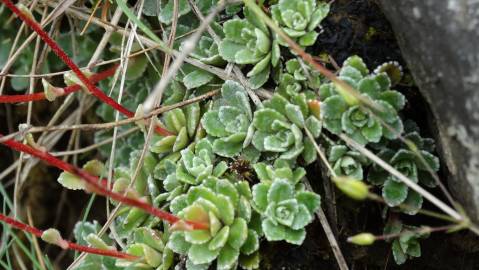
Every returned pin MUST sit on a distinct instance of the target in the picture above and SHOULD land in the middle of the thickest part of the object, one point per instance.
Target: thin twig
(329, 233)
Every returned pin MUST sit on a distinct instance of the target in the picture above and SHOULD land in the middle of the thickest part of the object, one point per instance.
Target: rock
(440, 43)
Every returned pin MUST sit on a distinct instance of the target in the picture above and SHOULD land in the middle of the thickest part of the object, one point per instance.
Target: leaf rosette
(229, 121)
(249, 42)
(347, 162)
(183, 123)
(225, 207)
(414, 165)
(299, 19)
(278, 128)
(342, 113)
(283, 204)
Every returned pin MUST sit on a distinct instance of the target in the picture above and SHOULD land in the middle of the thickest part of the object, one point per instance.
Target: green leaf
(181, 141)
(279, 191)
(197, 78)
(212, 124)
(193, 114)
(309, 152)
(260, 196)
(235, 95)
(71, 181)
(333, 107)
(220, 239)
(177, 243)
(136, 67)
(369, 86)
(302, 218)
(413, 203)
(259, 79)
(167, 11)
(394, 193)
(228, 50)
(201, 254)
(314, 126)
(263, 119)
(238, 233)
(431, 161)
(396, 99)
(358, 63)
(273, 232)
(230, 146)
(249, 262)
(311, 200)
(308, 39)
(227, 258)
(318, 15)
(226, 188)
(295, 237)
(294, 114)
(226, 209)
(251, 244)
(260, 66)
(398, 253)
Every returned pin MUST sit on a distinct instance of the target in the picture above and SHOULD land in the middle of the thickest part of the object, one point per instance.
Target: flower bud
(25, 11)
(53, 236)
(315, 108)
(51, 92)
(71, 78)
(355, 189)
(362, 239)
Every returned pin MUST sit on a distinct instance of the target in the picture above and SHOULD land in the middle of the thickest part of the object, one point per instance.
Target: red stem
(69, 62)
(67, 90)
(38, 233)
(98, 186)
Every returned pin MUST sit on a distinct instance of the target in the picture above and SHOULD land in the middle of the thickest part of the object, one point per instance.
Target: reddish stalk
(69, 62)
(70, 245)
(67, 90)
(96, 185)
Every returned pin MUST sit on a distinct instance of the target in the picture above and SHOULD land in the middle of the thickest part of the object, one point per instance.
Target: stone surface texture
(440, 43)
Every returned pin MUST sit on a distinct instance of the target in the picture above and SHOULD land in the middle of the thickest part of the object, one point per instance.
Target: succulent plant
(226, 208)
(279, 128)
(364, 125)
(229, 120)
(297, 78)
(184, 124)
(207, 52)
(283, 204)
(414, 165)
(407, 245)
(347, 162)
(178, 172)
(149, 245)
(299, 19)
(86, 234)
(248, 41)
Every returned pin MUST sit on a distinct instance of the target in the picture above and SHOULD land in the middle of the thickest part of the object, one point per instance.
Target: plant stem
(67, 90)
(98, 186)
(70, 245)
(422, 230)
(68, 61)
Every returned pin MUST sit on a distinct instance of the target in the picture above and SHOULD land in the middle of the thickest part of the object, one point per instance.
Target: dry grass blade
(426, 194)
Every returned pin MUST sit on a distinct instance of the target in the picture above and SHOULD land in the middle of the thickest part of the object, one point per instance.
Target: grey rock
(440, 43)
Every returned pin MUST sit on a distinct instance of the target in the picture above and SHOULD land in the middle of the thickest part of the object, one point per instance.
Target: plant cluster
(220, 216)
(188, 171)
